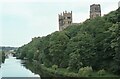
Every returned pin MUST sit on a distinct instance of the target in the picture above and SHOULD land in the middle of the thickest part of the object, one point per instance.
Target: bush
(72, 74)
(54, 67)
(85, 71)
(101, 72)
(68, 68)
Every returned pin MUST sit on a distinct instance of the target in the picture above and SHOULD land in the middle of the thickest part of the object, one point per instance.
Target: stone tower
(95, 10)
(65, 20)
(118, 4)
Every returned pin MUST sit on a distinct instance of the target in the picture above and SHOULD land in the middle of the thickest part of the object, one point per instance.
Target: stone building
(118, 4)
(95, 10)
(65, 20)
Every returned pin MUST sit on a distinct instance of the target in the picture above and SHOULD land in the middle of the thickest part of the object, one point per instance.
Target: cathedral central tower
(65, 20)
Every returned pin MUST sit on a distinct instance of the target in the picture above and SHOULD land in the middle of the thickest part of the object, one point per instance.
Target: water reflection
(13, 68)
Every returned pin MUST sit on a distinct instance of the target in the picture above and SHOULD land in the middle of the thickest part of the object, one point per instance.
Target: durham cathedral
(65, 18)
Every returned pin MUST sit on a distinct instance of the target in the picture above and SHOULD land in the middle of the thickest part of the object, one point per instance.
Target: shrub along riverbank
(83, 72)
(92, 47)
(54, 71)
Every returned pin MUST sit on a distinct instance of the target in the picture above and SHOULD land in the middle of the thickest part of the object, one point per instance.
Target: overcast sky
(21, 20)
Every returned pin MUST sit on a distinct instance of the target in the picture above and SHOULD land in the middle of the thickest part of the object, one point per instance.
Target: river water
(13, 67)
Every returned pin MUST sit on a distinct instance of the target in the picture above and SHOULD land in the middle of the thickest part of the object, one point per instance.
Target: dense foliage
(95, 44)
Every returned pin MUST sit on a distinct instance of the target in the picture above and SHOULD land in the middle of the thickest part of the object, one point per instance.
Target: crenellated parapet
(65, 19)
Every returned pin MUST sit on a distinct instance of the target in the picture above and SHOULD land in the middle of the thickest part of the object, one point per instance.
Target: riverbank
(2, 57)
(62, 72)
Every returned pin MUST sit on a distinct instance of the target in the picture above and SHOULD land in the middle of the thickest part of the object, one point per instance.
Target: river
(13, 67)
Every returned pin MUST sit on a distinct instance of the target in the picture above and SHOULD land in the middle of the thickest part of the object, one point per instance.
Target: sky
(22, 20)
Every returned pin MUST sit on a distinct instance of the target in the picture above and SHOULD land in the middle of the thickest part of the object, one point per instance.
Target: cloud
(48, 1)
(57, 1)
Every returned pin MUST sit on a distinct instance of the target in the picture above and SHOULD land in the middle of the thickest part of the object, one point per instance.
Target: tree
(58, 43)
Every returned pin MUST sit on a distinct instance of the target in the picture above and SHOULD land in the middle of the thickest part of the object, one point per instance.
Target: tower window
(69, 22)
(68, 17)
